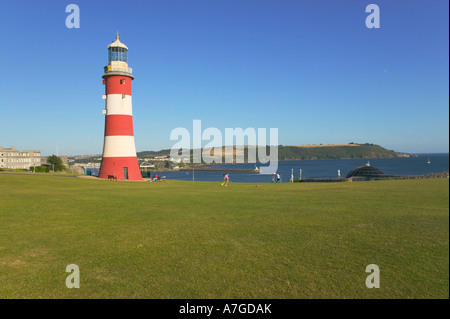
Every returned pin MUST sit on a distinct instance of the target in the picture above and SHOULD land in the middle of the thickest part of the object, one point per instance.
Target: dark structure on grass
(366, 173)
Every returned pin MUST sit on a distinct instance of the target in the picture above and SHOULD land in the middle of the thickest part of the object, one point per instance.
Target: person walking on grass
(226, 179)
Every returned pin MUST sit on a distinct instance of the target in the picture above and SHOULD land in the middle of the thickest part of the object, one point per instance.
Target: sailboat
(429, 162)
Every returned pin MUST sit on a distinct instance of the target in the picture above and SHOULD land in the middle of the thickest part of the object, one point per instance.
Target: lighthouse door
(125, 173)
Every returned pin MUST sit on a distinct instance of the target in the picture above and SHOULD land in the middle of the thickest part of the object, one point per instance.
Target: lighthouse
(119, 159)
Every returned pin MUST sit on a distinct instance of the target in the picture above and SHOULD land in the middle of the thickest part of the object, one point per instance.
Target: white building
(146, 165)
(179, 160)
(15, 159)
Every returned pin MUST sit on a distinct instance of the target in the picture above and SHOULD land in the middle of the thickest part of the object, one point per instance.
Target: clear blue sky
(309, 68)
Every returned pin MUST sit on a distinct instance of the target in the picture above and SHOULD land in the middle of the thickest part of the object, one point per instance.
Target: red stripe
(118, 125)
(118, 84)
(114, 166)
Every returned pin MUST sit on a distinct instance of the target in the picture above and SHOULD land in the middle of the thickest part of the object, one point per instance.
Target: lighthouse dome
(117, 44)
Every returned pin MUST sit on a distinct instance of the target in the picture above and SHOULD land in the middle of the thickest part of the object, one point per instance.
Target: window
(117, 54)
(113, 54)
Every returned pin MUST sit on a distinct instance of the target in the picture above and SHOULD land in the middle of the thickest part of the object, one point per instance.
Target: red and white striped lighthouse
(119, 151)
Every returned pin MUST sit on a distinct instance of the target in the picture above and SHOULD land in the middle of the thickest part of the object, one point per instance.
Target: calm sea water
(320, 169)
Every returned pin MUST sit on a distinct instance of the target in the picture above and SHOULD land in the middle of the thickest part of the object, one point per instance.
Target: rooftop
(365, 171)
(117, 43)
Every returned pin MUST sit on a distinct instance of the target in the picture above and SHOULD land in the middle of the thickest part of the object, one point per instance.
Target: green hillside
(312, 152)
(336, 152)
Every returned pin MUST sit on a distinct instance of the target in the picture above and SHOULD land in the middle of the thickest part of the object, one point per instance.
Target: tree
(56, 163)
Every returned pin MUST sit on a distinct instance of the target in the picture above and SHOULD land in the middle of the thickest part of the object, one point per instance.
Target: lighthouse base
(122, 168)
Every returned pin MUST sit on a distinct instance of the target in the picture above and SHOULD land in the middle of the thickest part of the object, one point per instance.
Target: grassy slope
(334, 152)
(199, 240)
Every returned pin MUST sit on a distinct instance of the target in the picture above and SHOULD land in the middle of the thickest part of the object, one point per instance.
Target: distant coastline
(337, 151)
(285, 153)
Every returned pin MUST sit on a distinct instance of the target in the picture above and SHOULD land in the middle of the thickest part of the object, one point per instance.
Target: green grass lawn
(178, 239)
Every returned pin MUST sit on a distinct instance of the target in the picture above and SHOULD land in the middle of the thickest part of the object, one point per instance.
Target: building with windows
(15, 159)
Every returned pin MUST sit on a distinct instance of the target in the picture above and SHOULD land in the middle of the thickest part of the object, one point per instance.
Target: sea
(422, 164)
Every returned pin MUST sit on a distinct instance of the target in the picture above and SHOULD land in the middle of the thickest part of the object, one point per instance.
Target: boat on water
(428, 162)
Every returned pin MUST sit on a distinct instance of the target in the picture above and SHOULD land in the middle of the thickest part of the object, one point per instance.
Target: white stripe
(119, 146)
(118, 104)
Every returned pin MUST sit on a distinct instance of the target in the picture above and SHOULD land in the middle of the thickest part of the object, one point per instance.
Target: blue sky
(312, 69)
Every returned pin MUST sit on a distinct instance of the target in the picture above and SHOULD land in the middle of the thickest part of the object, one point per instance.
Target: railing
(116, 68)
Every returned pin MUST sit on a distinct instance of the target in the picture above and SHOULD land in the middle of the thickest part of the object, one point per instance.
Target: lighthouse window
(117, 54)
(114, 54)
